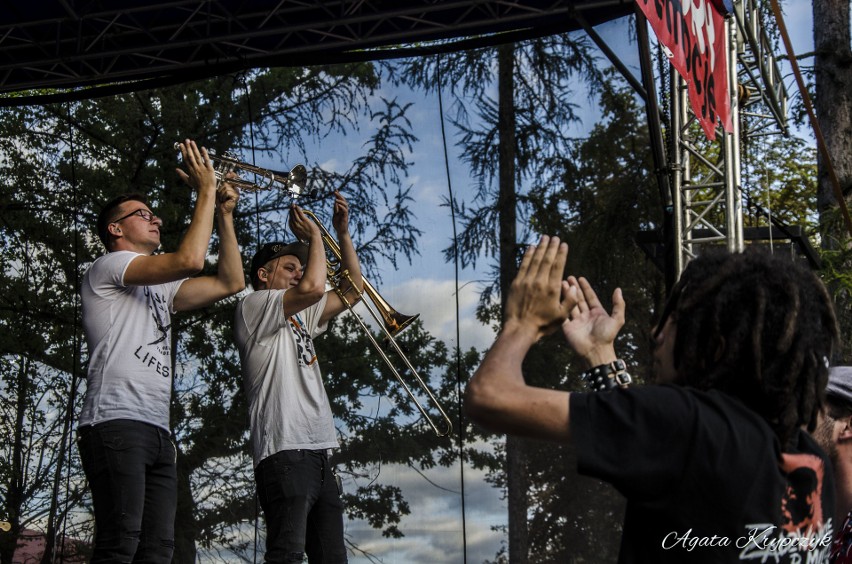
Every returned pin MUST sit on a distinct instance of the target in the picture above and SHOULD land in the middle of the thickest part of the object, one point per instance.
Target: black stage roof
(124, 45)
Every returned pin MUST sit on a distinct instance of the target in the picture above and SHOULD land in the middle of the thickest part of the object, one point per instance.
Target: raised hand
(227, 195)
(589, 329)
(340, 219)
(539, 299)
(303, 227)
(200, 173)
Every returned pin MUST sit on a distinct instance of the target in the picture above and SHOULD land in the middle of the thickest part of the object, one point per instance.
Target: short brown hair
(107, 212)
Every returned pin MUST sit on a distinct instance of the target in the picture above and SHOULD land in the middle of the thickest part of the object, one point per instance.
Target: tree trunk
(833, 75)
(15, 491)
(55, 517)
(186, 528)
(517, 479)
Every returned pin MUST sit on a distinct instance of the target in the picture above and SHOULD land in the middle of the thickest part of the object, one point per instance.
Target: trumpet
(391, 322)
(294, 181)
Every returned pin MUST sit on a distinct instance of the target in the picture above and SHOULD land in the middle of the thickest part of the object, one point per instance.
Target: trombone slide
(388, 319)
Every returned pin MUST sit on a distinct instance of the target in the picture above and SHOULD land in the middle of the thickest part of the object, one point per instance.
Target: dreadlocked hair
(758, 327)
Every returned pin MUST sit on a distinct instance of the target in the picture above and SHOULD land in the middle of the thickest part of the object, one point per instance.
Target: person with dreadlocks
(714, 460)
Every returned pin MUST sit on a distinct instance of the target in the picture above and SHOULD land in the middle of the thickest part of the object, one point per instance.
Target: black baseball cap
(840, 384)
(274, 250)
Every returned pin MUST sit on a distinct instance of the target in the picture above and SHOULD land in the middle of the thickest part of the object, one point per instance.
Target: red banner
(693, 31)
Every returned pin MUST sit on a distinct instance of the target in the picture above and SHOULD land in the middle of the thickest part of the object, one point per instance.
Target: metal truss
(74, 43)
(707, 192)
(762, 94)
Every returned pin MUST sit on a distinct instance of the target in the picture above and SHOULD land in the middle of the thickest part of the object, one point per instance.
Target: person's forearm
(230, 270)
(503, 361)
(499, 399)
(349, 261)
(192, 249)
(604, 354)
(499, 373)
(314, 278)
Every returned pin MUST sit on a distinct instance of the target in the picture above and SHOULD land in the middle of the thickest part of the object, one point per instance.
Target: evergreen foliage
(60, 163)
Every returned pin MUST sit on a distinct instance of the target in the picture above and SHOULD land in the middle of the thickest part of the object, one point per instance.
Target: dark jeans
(130, 466)
(301, 502)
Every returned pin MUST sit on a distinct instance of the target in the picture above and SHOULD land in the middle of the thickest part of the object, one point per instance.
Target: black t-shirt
(704, 477)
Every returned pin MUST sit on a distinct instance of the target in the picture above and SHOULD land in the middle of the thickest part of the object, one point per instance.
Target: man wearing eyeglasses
(128, 297)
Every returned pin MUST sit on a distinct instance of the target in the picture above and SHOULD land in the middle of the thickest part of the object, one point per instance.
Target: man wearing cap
(834, 435)
(291, 423)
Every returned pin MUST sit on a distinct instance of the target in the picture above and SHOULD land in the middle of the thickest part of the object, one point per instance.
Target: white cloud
(435, 301)
(436, 529)
(428, 191)
(333, 164)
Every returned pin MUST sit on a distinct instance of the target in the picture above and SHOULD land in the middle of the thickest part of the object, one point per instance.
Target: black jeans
(301, 503)
(131, 470)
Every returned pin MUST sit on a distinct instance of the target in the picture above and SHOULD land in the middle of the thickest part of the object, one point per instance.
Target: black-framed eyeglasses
(143, 213)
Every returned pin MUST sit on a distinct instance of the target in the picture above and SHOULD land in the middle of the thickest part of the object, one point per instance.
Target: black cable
(67, 437)
(257, 236)
(458, 327)
(253, 162)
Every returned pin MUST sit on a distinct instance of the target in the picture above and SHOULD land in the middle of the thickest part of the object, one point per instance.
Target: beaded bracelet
(607, 376)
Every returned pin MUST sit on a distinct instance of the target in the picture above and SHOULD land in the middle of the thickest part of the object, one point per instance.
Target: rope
(768, 187)
(257, 236)
(806, 99)
(458, 325)
(67, 438)
(253, 162)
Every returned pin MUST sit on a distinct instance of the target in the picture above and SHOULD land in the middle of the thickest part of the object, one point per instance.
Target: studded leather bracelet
(607, 376)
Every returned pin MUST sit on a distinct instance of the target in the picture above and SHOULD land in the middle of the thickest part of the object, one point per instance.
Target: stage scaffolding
(706, 177)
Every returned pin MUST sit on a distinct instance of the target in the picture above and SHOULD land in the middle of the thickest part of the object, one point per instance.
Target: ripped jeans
(300, 498)
(131, 471)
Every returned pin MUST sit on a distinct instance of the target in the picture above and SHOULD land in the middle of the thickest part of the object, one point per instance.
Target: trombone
(391, 321)
(294, 181)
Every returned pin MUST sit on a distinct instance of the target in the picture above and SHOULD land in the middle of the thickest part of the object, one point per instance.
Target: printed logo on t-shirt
(159, 312)
(805, 533)
(304, 344)
(801, 506)
(151, 353)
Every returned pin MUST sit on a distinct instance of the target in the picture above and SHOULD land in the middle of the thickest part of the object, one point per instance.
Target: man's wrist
(599, 356)
(207, 186)
(519, 329)
(607, 376)
(207, 194)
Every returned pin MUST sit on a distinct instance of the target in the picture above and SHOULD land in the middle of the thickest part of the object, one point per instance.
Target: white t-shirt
(288, 406)
(128, 331)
